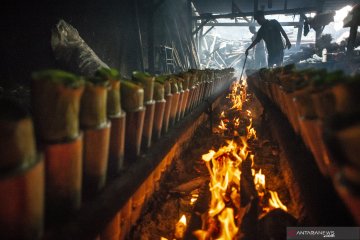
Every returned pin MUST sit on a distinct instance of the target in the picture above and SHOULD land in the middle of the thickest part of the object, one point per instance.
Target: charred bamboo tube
(56, 101)
(17, 140)
(175, 101)
(147, 81)
(132, 98)
(22, 202)
(63, 164)
(117, 118)
(112, 230)
(159, 110)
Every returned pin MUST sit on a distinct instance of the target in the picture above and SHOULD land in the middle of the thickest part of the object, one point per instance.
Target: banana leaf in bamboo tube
(132, 98)
(17, 138)
(175, 100)
(56, 102)
(159, 97)
(168, 98)
(93, 112)
(147, 81)
(117, 118)
(93, 119)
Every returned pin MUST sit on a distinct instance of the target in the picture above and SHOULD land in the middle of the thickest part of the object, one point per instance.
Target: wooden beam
(256, 5)
(300, 30)
(243, 24)
(243, 14)
(201, 26)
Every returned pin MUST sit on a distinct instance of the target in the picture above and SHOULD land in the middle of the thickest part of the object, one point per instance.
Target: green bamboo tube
(147, 81)
(113, 99)
(56, 102)
(17, 141)
(93, 103)
(159, 91)
(132, 96)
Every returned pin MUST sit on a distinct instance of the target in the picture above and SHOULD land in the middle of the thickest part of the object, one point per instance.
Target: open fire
(225, 168)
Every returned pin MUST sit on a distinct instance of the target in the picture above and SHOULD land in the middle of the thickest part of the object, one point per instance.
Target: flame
(228, 227)
(222, 114)
(222, 125)
(259, 181)
(225, 175)
(275, 202)
(183, 219)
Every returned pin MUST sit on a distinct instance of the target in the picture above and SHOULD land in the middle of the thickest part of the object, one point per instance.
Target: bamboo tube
(93, 104)
(117, 118)
(147, 81)
(96, 152)
(175, 101)
(56, 93)
(181, 97)
(117, 144)
(159, 109)
(22, 202)
(148, 124)
(63, 177)
(132, 97)
(17, 140)
(168, 98)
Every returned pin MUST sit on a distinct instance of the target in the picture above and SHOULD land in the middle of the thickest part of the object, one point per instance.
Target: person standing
(259, 51)
(271, 31)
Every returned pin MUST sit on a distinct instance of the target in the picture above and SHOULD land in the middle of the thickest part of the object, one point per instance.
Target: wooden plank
(245, 24)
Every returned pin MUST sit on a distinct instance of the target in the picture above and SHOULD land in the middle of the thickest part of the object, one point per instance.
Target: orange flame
(275, 202)
(224, 169)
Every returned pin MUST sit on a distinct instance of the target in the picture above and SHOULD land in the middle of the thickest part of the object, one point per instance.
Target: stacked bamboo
(21, 175)
(323, 108)
(89, 130)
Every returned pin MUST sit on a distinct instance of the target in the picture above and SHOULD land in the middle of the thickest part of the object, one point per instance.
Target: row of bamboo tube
(323, 108)
(87, 130)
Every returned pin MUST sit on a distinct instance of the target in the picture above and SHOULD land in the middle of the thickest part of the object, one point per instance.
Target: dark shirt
(270, 33)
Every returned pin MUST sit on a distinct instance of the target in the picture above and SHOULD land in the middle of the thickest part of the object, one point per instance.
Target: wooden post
(300, 30)
(352, 39)
(256, 5)
(139, 32)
